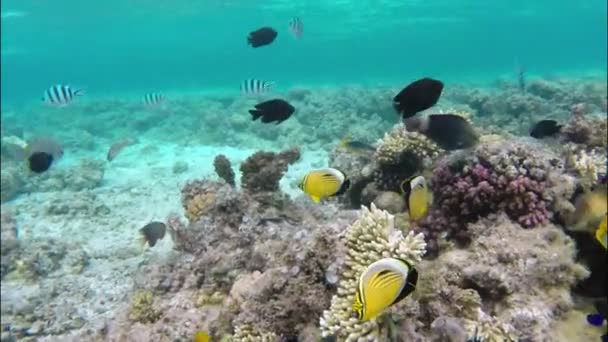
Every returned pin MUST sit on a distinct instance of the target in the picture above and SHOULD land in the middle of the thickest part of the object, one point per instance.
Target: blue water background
(116, 46)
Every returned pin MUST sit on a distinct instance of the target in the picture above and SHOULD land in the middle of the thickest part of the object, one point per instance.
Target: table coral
(370, 238)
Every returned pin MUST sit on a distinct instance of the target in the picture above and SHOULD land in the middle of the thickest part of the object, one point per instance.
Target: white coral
(372, 237)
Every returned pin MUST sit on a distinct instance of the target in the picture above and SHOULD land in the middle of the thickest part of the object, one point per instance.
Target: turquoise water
(119, 46)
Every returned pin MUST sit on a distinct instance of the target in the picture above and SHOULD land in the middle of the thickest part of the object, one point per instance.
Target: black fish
(418, 96)
(545, 128)
(261, 37)
(273, 110)
(152, 232)
(40, 161)
(450, 131)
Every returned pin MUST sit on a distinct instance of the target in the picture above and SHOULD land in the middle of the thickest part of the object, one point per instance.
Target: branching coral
(401, 154)
(588, 164)
(370, 238)
(247, 333)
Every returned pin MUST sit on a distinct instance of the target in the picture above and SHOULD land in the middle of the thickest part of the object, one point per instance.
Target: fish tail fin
(79, 92)
(602, 231)
(255, 114)
(142, 243)
(345, 140)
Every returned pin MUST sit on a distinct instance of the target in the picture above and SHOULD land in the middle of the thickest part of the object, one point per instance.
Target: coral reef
(495, 288)
(358, 167)
(589, 131)
(370, 238)
(11, 181)
(262, 171)
(247, 333)
(400, 155)
(521, 179)
(271, 265)
(10, 241)
(223, 168)
(142, 307)
(587, 164)
(87, 175)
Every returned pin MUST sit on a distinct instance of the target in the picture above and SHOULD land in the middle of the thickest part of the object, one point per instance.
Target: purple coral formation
(508, 177)
(478, 190)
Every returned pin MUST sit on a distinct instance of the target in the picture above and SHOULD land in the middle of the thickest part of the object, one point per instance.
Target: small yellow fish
(324, 183)
(591, 207)
(600, 233)
(382, 284)
(201, 336)
(356, 146)
(417, 197)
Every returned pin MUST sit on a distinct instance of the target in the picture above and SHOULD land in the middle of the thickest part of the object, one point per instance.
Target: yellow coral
(142, 307)
(198, 205)
(489, 328)
(247, 333)
(586, 163)
(372, 237)
(399, 141)
(207, 297)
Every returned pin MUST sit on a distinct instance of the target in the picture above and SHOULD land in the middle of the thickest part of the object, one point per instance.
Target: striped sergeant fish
(255, 87)
(60, 95)
(296, 27)
(153, 99)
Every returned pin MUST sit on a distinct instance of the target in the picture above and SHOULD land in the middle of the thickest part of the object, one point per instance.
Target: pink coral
(507, 178)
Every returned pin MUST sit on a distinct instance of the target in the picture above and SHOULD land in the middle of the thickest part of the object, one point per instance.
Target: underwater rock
(223, 168)
(180, 167)
(11, 182)
(390, 201)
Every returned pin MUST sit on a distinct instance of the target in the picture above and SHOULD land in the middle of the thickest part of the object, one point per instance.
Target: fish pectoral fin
(316, 199)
